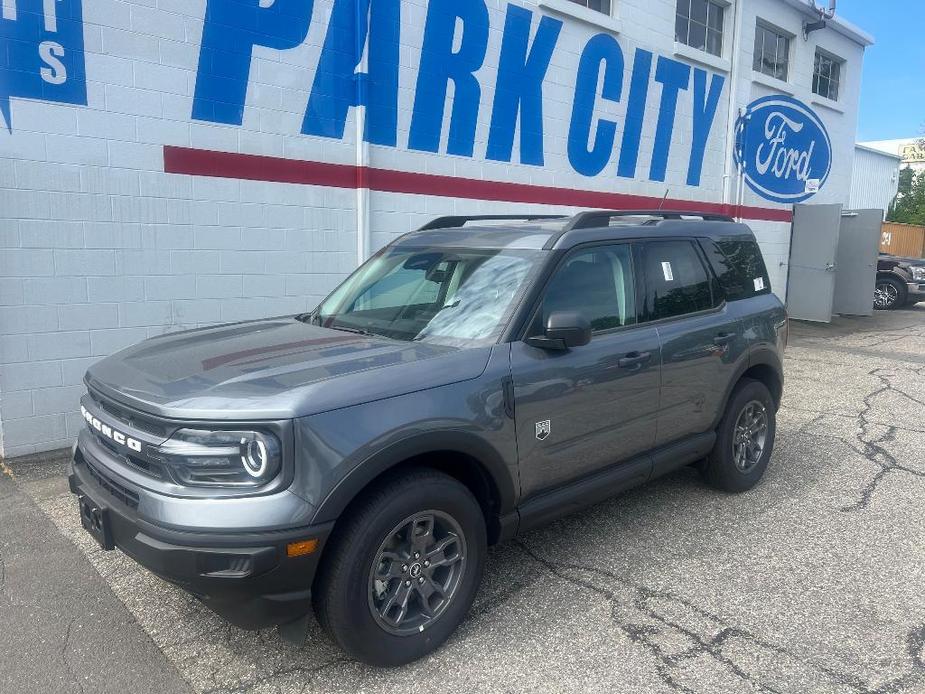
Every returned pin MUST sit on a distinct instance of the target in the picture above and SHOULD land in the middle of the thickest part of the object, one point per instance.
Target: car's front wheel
(744, 439)
(403, 570)
(889, 293)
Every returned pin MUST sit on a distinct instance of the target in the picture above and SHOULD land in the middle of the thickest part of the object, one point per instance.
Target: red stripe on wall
(252, 167)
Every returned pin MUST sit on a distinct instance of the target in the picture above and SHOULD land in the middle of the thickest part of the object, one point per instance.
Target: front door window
(596, 282)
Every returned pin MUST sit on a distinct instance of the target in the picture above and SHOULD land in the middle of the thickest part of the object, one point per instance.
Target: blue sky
(893, 87)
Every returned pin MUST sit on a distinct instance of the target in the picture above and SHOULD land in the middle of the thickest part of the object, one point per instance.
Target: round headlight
(228, 458)
(254, 457)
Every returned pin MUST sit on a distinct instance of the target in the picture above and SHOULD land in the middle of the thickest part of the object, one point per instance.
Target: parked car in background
(900, 282)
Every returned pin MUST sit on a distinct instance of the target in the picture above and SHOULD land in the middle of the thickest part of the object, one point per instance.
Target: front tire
(889, 294)
(744, 439)
(402, 572)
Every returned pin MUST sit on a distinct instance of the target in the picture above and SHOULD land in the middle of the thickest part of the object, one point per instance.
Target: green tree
(909, 205)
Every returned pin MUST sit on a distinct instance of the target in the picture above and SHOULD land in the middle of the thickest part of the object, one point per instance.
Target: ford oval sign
(783, 149)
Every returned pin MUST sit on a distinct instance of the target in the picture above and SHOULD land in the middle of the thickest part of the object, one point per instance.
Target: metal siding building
(910, 149)
(875, 179)
(170, 165)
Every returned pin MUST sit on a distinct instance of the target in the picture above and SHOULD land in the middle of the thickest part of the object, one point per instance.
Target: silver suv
(473, 380)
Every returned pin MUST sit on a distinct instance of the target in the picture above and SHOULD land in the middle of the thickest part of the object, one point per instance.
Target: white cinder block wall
(101, 248)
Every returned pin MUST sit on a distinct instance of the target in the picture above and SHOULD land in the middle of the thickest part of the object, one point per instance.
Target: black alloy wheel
(750, 437)
(417, 571)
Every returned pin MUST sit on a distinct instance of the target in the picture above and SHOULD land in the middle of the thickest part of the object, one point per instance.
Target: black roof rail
(453, 221)
(601, 218)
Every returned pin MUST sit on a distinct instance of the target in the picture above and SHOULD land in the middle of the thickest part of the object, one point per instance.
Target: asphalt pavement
(62, 629)
(812, 582)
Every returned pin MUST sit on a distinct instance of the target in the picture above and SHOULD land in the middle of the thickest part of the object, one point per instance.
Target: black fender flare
(759, 356)
(897, 275)
(395, 454)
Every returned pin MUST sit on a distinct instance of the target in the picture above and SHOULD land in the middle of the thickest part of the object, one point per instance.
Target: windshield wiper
(316, 319)
(358, 331)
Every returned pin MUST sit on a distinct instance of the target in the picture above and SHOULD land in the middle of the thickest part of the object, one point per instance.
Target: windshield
(446, 296)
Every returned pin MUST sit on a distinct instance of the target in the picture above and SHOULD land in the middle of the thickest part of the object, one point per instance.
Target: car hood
(274, 369)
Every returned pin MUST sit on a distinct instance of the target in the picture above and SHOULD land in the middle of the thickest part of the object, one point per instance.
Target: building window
(772, 52)
(699, 24)
(597, 5)
(826, 76)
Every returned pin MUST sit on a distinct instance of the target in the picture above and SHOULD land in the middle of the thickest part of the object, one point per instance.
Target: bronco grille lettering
(109, 432)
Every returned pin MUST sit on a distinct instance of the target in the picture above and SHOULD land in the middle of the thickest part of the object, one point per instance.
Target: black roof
(544, 231)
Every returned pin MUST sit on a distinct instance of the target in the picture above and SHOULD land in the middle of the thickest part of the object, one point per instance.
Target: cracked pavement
(812, 582)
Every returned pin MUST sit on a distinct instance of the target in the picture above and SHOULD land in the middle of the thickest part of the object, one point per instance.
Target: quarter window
(602, 6)
(596, 282)
(676, 280)
(826, 76)
(772, 52)
(739, 266)
(699, 24)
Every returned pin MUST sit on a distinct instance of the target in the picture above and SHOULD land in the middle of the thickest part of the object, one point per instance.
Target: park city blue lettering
(455, 44)
(41, 53)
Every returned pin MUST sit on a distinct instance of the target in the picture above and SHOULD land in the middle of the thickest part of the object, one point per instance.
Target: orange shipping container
(906, 240)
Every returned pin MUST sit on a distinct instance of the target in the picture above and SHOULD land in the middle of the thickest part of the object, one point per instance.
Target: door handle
(634, 359)
(723, 339)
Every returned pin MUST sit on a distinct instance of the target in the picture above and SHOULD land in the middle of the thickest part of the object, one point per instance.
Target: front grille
(133, 461)
(131, 423)
(130, 418)
(120, 492)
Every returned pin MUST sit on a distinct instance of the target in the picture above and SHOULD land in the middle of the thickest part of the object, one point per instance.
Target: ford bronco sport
(473, 380)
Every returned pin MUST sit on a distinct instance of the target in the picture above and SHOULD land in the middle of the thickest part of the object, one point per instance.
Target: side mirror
(564, 330)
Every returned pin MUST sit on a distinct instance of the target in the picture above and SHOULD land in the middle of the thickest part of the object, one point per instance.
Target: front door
(584, 409)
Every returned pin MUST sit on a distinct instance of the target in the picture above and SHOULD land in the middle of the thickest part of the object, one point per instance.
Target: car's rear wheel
(404, 569)
(889, 294)
(744, 439)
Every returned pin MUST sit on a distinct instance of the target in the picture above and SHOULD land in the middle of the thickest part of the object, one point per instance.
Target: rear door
(587, 408)
(700, 338)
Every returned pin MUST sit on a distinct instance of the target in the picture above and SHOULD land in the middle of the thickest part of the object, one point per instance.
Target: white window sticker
(759, 284)
(666, 270)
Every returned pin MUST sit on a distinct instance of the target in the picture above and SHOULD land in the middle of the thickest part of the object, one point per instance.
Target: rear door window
(676, 280)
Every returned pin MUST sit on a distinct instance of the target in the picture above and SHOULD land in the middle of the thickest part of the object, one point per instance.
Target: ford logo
(783, 149)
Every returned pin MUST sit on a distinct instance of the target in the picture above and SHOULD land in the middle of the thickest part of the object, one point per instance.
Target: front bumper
(245, 577)
(916, 290)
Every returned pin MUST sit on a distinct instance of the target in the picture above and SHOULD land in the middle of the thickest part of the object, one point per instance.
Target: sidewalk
(61, 627)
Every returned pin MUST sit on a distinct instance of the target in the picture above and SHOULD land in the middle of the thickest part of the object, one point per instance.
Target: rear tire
(744, 439)
(380, 602)
(889, 294)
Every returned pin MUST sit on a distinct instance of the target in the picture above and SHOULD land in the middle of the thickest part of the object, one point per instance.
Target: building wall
(875, 181)
(117, 224)
(839, 117)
